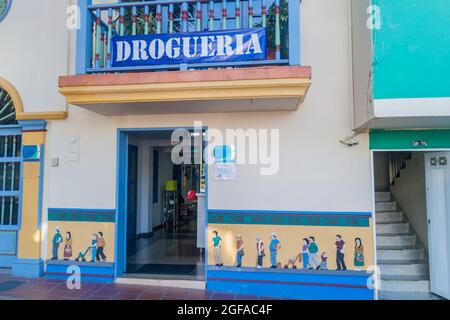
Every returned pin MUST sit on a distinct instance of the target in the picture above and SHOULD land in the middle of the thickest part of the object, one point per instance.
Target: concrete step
(388, 217)
(391, 277)
(396, 241)
(418, 269)
(422, 286)
(383, 196)
(393, 228)
(386, 206)
(402, 254)
(404, 262)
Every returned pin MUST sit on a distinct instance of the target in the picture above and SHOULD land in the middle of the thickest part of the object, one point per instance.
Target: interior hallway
(168, 254)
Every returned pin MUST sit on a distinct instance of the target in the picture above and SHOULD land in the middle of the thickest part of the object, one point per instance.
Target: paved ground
(13, 288)
(49, 289)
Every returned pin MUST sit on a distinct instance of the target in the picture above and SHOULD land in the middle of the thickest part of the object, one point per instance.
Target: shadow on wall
(410, 192)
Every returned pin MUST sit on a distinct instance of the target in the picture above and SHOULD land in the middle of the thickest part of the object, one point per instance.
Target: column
(29, 262)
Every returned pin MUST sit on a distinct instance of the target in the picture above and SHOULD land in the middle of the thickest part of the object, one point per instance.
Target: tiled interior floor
(51, 289)
(164, 250)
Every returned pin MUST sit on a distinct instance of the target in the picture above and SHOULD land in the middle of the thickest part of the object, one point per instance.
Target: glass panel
(10, 171)
(7, 110)
(12, 175)
(9, 210)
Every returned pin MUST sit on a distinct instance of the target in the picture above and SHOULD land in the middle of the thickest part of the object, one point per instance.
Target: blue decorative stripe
(296, 218)
(33, 125)
(85, 215)
(91, 272)
(10, 130)
(294, 284)
(193, 65)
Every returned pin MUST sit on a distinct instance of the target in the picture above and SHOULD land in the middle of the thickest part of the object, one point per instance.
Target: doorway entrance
(412, 223)
(162, 218)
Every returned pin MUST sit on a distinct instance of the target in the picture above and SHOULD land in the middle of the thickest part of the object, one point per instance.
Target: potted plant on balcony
(140, 20)
(271, 27)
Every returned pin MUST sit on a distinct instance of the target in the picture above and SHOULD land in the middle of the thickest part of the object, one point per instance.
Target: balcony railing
(100, 23)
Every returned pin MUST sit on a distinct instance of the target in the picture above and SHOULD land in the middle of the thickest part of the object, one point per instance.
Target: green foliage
(284, 28)
(140, 22)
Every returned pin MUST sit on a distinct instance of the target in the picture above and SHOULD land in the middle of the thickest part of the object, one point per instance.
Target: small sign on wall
(224, 154)
(224, 159)
(225, 171)
(31, 153)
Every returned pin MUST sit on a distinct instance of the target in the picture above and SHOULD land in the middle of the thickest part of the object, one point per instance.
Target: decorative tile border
(84, 215)
(291, 218)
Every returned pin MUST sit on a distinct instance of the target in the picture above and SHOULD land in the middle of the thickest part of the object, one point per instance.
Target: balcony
(171, 56)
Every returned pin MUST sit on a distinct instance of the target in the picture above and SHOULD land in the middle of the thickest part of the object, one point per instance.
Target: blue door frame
(132, 183)
(120, 254)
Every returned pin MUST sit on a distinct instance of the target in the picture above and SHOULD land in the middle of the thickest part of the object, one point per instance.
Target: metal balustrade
(101, 22)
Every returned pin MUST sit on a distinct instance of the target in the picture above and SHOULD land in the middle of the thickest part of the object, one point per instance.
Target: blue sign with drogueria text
(192, 47)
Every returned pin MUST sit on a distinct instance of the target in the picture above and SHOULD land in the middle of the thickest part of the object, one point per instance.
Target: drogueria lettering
(194, 47)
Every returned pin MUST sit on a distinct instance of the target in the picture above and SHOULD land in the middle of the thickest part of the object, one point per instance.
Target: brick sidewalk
(50, 289)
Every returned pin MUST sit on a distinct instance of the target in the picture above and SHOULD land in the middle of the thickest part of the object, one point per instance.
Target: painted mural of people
(305, 253)
(274, 246)
(324, 261)
(101, 244)
(57, 239)
(239, 250)
(358, 260)
(260, 252)
(313, 250)
(340, 253)
(94, 247)
(68, 246)
(217, 244)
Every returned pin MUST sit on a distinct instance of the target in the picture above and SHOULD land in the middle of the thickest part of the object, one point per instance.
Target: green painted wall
(412, 49)
(409, 139)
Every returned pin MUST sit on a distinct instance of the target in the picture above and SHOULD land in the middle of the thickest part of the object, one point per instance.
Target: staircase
(401, 257)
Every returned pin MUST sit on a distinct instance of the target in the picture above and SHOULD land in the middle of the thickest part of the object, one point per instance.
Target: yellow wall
(82, 236)
(291, 242)
(29, 242)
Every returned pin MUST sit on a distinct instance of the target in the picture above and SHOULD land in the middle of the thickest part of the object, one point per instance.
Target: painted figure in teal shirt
(57, 239)
(313, 249)
(274, 246)
(94, 246)
(217, 244)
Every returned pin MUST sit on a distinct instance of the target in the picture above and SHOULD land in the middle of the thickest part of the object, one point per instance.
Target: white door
(438, 210)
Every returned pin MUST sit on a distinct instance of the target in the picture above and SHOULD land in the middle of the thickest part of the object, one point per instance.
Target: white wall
(165, 173)
(362, 53)
(313, 164)
(410, 191)
(34, 52)
(381, 171)
(316, 171)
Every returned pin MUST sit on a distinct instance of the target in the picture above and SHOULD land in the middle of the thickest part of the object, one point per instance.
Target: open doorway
(412, 223)
(165, 209)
